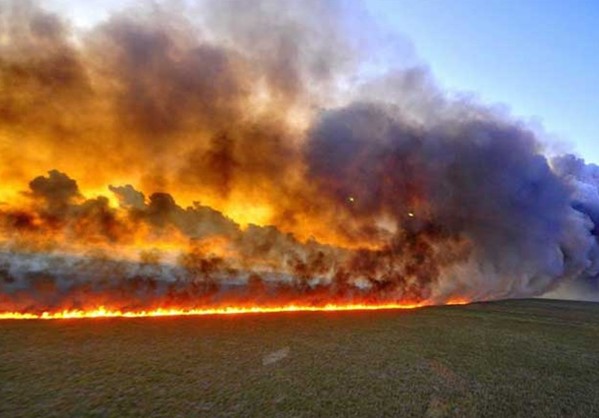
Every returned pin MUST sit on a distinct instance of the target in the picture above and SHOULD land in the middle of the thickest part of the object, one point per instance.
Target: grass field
(512, 358)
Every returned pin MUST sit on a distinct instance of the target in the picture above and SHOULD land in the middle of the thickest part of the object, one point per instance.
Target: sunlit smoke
(238, 157)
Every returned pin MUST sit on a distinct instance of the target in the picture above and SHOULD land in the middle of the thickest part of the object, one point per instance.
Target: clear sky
(538, 57)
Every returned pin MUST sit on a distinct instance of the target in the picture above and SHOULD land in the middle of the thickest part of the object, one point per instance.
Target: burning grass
(103, 312)
(512, 358)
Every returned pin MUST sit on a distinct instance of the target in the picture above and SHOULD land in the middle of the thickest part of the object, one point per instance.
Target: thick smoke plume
(239, 153)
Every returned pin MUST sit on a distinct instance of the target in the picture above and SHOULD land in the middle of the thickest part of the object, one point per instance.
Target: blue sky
(538, 57)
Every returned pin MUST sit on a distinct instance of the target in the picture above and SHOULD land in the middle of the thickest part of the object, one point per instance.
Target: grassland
(512, 358)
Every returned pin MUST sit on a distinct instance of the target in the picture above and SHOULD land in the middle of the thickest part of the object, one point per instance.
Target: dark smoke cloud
(57, 190)
(583, 178)
(478, 180)
(387, 190)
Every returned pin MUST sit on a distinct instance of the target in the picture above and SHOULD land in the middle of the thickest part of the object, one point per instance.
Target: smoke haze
(241, 152)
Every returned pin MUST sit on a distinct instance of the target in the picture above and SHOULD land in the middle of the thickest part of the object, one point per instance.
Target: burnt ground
(511, 358)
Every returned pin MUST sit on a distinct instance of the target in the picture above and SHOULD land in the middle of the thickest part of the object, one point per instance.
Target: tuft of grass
(511, 358)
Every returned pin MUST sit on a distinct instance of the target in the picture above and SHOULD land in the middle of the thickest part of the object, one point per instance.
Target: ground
(513, 358)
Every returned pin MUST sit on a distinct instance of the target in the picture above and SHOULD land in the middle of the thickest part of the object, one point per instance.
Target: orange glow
(198, 177)
(102, 312)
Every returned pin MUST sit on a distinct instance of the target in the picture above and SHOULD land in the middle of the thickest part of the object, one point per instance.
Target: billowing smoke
(241, 153)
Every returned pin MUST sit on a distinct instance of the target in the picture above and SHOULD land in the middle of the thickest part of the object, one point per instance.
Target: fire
(163, 165)
(103, 312)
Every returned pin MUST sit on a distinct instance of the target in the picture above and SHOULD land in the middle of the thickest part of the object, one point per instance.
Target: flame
(103, 312)
(210, 174)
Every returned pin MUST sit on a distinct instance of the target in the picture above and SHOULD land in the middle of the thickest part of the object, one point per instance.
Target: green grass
(512, 358)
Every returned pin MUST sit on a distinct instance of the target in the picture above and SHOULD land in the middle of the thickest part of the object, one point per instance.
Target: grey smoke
(458, 196)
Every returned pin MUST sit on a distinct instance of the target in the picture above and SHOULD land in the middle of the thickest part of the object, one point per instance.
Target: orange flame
(103, 312)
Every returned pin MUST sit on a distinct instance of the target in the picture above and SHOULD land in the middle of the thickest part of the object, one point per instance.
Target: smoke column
(236, 153)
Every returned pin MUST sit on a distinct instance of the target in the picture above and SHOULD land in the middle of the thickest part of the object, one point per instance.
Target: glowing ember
(103, 312)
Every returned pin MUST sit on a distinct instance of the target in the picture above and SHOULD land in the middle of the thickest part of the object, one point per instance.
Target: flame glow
(103, 312)
(230, 160)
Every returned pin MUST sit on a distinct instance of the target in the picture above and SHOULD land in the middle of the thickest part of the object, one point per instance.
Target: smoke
(238, 152)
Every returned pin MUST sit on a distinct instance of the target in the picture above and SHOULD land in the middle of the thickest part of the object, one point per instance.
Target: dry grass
(513, 358)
